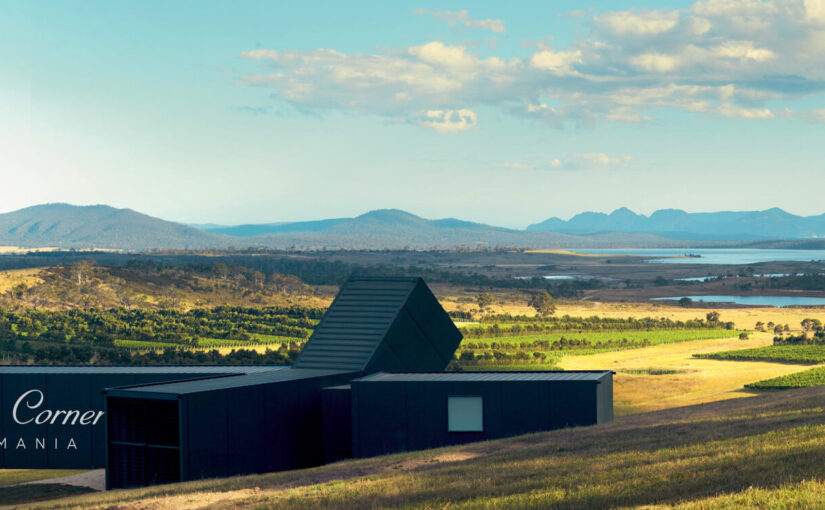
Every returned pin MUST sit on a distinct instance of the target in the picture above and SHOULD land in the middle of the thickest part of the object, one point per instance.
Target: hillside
(98, 226)
(396, 229)
(764, 451)
(677, 224)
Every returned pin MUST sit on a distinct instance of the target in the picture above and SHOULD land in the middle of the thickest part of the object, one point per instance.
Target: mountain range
(677, 224)
(105, 227)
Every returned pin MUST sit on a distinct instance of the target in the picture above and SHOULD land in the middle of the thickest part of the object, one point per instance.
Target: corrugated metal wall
(392, 416)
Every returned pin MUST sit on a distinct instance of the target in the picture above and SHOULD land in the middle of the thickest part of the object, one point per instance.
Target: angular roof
(205, 370)
(175, 388)
(578, 376)
(382, 324)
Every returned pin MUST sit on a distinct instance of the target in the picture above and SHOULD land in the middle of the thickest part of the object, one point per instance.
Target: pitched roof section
(382, 324)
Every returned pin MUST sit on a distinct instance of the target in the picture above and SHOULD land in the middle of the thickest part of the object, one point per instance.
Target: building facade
(370, 380)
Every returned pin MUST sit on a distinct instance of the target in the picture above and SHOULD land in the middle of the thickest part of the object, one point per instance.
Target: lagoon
(755, 300)
(725, 256)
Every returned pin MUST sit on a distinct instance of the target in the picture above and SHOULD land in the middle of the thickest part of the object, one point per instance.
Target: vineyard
(806, 354)
(121, 336)
(813, 377)
(501, 350)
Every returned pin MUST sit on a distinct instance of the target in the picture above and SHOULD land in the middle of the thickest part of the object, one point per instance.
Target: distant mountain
(677, 224)
(98, 226)
(104, 227)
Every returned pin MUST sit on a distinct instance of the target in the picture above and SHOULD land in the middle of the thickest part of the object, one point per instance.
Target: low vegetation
(782, 353)
(813, 377)
(544, 351)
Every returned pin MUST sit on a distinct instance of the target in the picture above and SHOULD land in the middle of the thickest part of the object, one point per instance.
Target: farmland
(811, 354)
(546, 350)
(812, 377)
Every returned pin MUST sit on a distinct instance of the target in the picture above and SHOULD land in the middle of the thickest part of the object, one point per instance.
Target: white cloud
(635, 22)
(462, 19)
(595, 160)
(556, 62)
(448, 121)
(574, 161)
(655, 62)
(728, 58)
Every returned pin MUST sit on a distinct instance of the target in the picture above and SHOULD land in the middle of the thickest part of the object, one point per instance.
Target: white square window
(465, 414)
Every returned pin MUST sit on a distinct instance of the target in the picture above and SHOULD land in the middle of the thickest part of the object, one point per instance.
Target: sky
(506, 113)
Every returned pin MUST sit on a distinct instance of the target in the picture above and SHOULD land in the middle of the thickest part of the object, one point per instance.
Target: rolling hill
(98, 226)
(104, 227)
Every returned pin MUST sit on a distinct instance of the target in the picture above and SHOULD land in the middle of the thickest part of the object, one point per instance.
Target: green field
(543, 352)
(807, 354)
(210, 343)
(812, 377)
(761, 452)
(598, 337)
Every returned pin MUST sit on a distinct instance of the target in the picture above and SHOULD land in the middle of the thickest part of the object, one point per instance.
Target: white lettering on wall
(33, 400)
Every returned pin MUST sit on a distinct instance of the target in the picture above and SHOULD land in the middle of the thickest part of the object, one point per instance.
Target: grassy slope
(694, 381)
(760, 450)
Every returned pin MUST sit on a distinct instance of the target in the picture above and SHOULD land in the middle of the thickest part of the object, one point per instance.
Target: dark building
(53, 417)
(413, 411)
(256, 423)
(370, 380)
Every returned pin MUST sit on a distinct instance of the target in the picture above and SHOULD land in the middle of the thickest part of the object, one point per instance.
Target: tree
(543, 303)
(484, 300)
(811, 324)
(660, 281)
(712, 316)
(743, 335)
(685, 302)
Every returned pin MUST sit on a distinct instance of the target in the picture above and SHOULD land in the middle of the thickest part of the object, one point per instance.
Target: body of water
(728, 256)
(696, 279)
(755, 300)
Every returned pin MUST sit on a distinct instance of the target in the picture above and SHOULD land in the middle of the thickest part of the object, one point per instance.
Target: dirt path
(93, 479)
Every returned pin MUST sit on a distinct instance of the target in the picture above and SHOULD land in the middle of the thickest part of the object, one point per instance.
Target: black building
(370, 380)
(414, 411)
(53, 417)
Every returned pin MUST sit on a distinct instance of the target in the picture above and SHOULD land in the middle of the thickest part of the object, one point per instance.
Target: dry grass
(10, 278)
(705, 380)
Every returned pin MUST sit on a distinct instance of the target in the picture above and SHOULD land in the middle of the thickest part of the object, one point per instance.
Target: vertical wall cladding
(242, 425)
(70, 432)
(205, 435)
(605, 399)
(398, 412)
(144, 442)
(336, 407)
(381, 423)
(573, 403)
(16, 434)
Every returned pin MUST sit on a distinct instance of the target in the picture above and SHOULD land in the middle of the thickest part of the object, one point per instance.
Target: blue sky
(506, 113)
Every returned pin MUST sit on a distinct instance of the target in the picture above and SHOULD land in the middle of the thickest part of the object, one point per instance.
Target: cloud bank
(726, 58)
